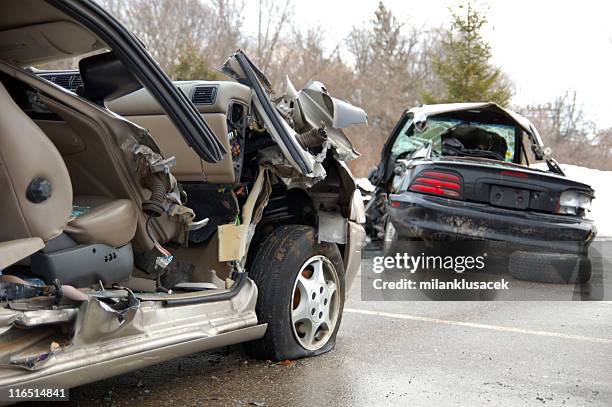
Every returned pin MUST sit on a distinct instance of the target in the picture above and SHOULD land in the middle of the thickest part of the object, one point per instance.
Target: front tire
(301, 294)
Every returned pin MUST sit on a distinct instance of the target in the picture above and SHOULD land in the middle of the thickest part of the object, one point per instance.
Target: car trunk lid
(509, 185)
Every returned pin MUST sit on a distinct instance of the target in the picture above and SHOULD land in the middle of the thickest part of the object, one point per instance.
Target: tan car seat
(112, 223)
(36, 189)
(37, 202)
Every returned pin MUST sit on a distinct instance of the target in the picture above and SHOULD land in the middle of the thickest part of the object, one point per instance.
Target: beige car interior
(35, 32)
(27, 156)
(73, 150)
(140, 107)
(26, 153)
(94, 195)
(88, 196)
(39, 195)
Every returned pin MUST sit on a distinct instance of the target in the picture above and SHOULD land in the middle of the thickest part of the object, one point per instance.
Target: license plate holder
(509, 197)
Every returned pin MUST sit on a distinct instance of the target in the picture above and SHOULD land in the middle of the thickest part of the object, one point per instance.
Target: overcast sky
(545, 46)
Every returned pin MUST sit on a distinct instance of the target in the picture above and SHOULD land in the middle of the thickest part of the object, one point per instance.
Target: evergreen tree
(193, 65)
(464, 66)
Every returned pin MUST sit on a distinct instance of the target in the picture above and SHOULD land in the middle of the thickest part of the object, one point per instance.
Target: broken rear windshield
(410, 141)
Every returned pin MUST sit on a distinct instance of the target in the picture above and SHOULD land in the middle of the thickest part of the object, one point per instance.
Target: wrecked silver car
(144, 219)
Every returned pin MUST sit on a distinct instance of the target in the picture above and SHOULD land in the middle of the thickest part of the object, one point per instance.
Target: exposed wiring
(157, 245)
(161, 263)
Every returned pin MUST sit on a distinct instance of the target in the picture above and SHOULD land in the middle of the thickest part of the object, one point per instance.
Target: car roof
(421, 113)
(34, 32)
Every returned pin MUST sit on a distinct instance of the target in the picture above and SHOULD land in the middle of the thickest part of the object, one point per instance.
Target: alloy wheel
(315, 304)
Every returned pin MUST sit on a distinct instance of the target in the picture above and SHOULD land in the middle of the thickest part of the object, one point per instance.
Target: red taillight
(515, 174)
(441, 175)
(438, 183)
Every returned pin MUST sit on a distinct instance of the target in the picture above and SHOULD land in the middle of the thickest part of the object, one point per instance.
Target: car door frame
(384, 168)
(132, 52)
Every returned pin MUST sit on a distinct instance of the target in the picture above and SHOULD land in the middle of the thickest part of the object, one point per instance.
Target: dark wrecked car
(144, 220)
(462, 172)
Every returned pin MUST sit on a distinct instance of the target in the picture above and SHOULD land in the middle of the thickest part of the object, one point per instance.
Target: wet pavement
(410, 353)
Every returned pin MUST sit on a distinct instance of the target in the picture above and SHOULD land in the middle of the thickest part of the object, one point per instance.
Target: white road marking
(479, 326)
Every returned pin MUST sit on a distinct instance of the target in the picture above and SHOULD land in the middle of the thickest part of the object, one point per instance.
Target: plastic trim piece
(241, 279)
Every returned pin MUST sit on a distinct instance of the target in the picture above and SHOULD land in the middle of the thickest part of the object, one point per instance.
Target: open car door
(137, 59)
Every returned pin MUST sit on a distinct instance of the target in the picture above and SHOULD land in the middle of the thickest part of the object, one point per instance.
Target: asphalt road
(407, 353)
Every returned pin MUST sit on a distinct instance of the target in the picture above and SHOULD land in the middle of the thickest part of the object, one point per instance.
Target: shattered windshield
(438, 131)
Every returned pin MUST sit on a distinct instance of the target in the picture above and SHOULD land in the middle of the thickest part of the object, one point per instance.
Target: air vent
(69, 81)
(204, 95)
(62, 80)
(75, 82)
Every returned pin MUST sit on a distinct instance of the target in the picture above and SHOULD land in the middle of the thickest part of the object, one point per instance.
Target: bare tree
(560, 120)
(573, 138)
(274, 18)
(391, 60)
(173, 28)
(391, 65)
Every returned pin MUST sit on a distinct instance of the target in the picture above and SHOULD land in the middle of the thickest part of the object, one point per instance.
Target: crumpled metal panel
(332, 227)
(46, 316)
(7, 318)
(341, 113)
(318, 108)
(310, 108)
(98, 322)
(106, 333)
(278, 128)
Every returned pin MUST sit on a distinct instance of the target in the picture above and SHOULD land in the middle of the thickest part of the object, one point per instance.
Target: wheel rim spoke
(318, 276)
(303, 284)
(331, 288)
(301, 313)
(311, 331)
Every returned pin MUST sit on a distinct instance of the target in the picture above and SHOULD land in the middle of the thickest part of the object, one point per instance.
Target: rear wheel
(301, 294)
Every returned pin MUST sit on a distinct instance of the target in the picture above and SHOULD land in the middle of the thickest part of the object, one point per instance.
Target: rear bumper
(435, 218)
